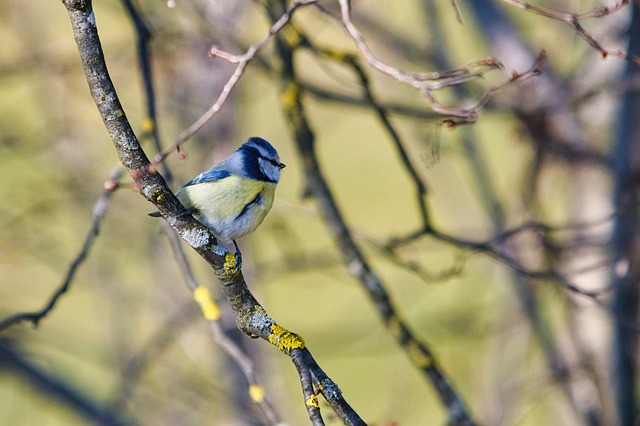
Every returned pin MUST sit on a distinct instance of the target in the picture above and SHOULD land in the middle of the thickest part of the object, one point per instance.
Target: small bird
(233, 197)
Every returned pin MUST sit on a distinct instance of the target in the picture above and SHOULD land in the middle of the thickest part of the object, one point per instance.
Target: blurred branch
(383, 116)
(573, 20)
(419, 353)
(548, 120)
(369, 100)
(98, 213)
(53, 387)
(250, 316)
(211, 313)
(427, 83)
(152, 349)
(625, 245)
(143, 38)
(494, 248)
(241, 62)
(201, 294)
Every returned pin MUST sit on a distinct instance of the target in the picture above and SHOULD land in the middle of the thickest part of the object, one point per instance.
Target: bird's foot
(233, 261)
(238, 256)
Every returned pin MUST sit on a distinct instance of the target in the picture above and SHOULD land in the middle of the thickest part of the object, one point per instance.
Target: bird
(233, 197)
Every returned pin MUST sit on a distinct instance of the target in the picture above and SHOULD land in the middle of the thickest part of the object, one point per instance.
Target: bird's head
(260, 160)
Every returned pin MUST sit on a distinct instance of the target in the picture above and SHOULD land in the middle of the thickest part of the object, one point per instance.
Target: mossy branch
(250, 317)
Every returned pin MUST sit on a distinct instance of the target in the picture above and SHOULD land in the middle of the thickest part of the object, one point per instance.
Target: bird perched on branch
(233, 197)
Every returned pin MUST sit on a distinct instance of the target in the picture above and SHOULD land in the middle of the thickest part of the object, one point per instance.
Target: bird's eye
(277, 164)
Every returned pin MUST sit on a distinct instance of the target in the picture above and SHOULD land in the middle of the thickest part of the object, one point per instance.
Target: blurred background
(522, 284)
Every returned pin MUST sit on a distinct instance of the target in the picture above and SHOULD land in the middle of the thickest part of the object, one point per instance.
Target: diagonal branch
(211, 313)
(99, 211)
(250, 316)
(427, 83)
(13, 362)
(358, 265)
(241, 62)
(573, 20)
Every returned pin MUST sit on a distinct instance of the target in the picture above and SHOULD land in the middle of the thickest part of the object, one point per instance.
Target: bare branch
(250, 316)
(13, 362)
(242, 61)
(427, 83)
(573, 20)
(98, 213)
(419, 352)
(211, 313)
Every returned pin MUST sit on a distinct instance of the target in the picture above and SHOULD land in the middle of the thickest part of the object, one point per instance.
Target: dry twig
(241, 62)
(573, 20)
(427, 83)
(99, 211)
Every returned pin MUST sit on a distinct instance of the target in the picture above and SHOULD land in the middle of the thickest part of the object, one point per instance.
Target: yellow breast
(231, 207)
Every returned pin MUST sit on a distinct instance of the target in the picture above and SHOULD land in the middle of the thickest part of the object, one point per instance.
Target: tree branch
(316, 185)
(250, 316)
(78, 401)
(99, 211)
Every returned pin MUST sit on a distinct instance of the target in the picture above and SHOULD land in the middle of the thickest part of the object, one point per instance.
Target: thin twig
(421, 81)
(306, 380)
(230, 347)
(241, 62)
(98, 213)
(143, 39)
(491, 247)
(371, 101)
(427, 83)
(316, 185)
(573, 20)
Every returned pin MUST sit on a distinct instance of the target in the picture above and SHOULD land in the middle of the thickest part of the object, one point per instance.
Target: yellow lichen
(209, 308)
(284, 339)
(231, 264)
(393, 324)
(312, 401)
(258, 311)
(147, 125)
(256, 392)
(291, 36)
(419, 356)
(290, 95)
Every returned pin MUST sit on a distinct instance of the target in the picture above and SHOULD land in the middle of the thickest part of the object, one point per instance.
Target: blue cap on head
(264, 148)
(260, 160)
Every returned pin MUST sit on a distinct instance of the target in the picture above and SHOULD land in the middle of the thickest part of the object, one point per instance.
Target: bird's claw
(238, 256)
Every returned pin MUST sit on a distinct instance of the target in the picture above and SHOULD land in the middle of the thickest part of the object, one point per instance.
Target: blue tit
(233, 197)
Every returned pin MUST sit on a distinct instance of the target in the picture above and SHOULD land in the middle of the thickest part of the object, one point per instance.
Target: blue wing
(211, 175)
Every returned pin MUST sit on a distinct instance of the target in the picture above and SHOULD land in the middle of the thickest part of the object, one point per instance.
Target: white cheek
(269, 170)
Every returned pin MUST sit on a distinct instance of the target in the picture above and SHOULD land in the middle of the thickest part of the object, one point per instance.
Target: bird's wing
(210, 175)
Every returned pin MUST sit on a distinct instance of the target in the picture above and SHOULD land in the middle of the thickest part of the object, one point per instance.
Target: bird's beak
(282, 166)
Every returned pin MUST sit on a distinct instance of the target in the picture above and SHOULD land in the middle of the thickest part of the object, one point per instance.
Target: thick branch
(625, 244)
(250, 317)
